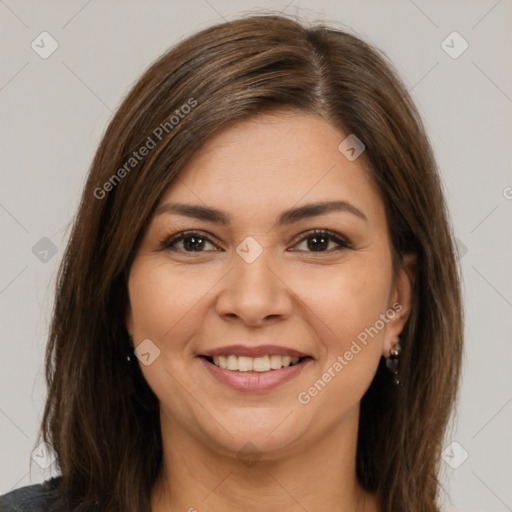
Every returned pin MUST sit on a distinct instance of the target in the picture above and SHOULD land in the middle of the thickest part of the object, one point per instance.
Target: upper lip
(250, 351)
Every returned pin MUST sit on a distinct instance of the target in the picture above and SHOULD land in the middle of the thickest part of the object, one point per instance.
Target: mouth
(254, 368)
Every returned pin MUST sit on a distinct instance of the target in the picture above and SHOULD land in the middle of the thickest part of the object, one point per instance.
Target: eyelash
(169, 243)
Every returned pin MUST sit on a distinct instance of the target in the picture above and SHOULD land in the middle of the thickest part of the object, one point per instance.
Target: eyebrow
(287, 217)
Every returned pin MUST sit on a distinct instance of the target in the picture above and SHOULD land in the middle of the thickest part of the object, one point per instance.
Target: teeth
(244, 364)
(232, 363)
(257, 364)
(261, 364)
(275, 362)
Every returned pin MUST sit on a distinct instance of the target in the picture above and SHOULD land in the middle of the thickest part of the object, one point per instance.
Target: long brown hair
(101, 417)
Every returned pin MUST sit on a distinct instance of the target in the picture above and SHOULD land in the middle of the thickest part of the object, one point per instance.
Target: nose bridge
(252, 291)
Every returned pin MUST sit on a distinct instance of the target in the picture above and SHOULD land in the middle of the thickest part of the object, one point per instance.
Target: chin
(261, 432)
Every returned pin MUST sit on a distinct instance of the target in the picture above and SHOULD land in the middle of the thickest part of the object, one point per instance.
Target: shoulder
(31, 498)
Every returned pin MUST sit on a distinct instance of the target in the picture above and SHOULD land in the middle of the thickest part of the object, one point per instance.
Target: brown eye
(319, 240)
(191, 241)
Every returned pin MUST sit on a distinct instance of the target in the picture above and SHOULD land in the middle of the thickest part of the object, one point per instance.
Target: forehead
(270, 162)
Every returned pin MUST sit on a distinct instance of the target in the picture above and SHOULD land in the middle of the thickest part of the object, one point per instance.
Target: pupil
(192, 242)
(321, 245)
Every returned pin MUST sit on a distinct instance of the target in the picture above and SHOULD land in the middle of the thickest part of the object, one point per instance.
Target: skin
(313, 300)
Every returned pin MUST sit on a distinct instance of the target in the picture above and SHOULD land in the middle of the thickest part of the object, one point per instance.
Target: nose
(254, 293)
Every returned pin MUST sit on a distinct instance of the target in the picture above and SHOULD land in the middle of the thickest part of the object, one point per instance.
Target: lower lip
(255, 381)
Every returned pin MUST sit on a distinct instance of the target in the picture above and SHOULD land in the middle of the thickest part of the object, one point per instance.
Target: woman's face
(230, 273)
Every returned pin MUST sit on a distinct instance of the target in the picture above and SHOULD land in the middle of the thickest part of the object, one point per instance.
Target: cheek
(162, 303)
(354, 306)
(350, 308)
(357, 305)
(348, 300)
(162, 298)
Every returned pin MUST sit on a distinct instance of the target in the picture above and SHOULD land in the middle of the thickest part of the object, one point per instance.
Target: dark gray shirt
(32, 498)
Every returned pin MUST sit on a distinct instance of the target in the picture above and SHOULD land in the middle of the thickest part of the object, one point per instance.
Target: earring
(130, 342)
(392, 361)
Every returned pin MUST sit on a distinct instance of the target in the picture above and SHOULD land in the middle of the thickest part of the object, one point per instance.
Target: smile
(250, 369)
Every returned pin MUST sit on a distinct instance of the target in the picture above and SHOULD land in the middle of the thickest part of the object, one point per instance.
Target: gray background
(55, 110)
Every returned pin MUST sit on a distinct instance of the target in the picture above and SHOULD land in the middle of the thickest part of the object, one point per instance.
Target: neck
(321, 477)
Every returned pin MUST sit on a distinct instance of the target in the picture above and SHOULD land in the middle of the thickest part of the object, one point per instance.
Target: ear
(400, 301)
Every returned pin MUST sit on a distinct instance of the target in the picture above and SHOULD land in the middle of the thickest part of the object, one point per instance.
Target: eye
(191, 241)
(318, 240)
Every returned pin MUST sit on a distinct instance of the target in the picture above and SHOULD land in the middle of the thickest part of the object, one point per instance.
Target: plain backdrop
(55, 109)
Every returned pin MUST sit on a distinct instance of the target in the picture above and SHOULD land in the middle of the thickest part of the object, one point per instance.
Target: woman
(259, 306)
